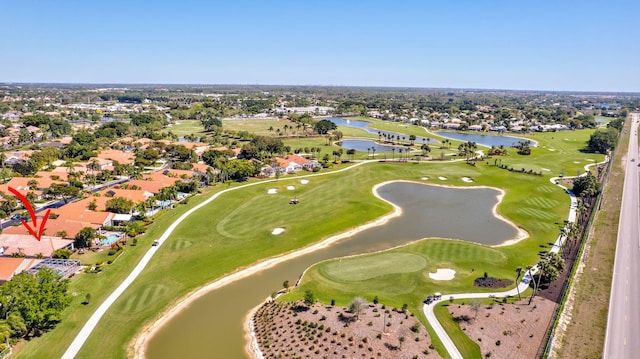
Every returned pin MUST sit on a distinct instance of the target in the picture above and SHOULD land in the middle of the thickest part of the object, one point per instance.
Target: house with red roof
(122, 157)
(26, 245)
(10, 266)
(293, 163)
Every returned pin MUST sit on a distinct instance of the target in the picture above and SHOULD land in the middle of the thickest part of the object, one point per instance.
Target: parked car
(156, 243)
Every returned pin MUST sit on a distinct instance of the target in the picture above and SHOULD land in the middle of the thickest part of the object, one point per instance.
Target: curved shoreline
(142, 338)
(253, 349)
(481, 134)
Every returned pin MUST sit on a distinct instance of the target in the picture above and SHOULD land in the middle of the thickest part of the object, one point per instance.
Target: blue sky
(529, 45)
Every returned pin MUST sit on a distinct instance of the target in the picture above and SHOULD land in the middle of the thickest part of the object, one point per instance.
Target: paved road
(622, 339)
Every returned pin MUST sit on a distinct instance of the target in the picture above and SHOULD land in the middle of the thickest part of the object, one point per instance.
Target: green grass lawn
(261, 126)
(187, 127)
(214, 241)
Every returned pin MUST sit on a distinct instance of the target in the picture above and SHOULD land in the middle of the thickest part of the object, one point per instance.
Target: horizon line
(149, 84)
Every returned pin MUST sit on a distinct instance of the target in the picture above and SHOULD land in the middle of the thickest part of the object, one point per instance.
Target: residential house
(122, 157)
(293, 163)
(134, 195)
(10, 266)
(62, 228)
(26, 245)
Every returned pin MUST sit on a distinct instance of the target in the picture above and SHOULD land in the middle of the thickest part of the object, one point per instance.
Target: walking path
(86, 330)
(522, 286)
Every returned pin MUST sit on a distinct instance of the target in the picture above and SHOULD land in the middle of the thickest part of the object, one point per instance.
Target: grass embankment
(584, 335)
(235, 231)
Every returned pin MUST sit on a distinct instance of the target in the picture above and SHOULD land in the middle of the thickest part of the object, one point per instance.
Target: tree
(551, 267)
(61, 253)
(586, 186)
(119, 205)
(85, 237)
(211, 123)
(356, 306)
(309, 299)
(518, 274)
(285, 284)
(603, 141)
(425, 149)
(33, 303)
(241, 169)
(412, 138)
(323, 127)
(63, 191)
(351, 152)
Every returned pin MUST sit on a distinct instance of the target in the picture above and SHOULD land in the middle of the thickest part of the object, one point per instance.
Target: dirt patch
(285, 329)
(491, 282)
(506, 330)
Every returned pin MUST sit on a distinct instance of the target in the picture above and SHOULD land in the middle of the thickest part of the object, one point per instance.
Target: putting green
(371, 266)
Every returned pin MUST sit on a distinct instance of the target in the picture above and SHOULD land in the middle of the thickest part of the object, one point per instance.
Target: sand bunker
(467, 179)
(290, 188)
(552, 149)
(424, 178)
(443, 274)
(304, 181)
(576, 161)
(442, 178)
(272, 191)
(546, 169)
(277, 231)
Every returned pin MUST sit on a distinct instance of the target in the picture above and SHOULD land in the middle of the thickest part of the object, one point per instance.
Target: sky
(489, 44)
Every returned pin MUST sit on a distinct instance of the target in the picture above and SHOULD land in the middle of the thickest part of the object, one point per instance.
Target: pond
(484, 139)
(365, 126)
(211, 326)
(365, 146)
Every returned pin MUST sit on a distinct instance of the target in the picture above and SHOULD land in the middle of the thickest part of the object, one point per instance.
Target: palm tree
(531, 280)
(393, 153)
(33, 184)
(351, 152)
(373, 150)
(425, 149)
(518, 274)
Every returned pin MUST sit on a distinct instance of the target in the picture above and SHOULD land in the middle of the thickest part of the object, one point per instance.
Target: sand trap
(290, 188)
(442, 178)
(443, 274)
(591, 160)
(304, 181)
(277, 231)
(576, 161)
(467, 179)
(424, 178)
(552, 149)
(546, 169)
(272, 191)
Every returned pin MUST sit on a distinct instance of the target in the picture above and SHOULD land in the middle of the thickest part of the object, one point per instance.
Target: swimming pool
(110, 239)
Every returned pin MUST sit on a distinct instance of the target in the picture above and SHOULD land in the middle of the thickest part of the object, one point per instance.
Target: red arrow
(34, 219)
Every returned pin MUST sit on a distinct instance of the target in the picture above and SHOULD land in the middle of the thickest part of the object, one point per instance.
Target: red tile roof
(26, 244)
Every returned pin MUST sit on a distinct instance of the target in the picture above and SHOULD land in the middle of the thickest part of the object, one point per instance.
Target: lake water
(212, 325)
(365, 146)
(484, 139)
(339, 121)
